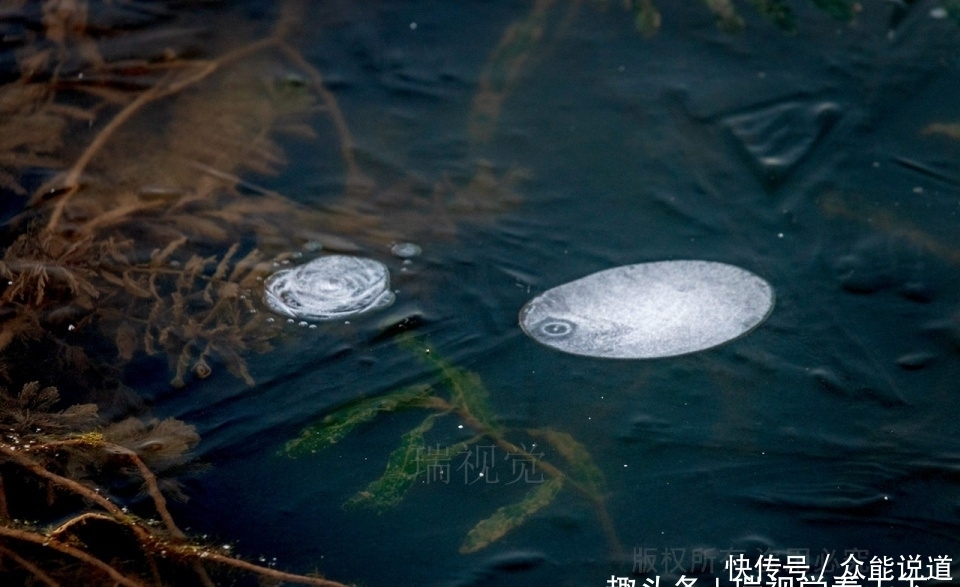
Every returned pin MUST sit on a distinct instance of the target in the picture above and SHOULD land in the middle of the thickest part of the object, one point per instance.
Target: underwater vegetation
(66, 467)
(461, 394)
(130, 237)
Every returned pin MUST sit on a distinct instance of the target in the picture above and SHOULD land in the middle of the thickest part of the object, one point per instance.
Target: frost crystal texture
(328, 288)
(649, 310)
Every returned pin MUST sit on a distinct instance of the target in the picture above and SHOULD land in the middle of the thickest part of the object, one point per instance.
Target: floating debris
(328, 288)
(649, 310)
(405, 250)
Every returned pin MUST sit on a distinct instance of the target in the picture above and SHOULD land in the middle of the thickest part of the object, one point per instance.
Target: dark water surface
(807, 158)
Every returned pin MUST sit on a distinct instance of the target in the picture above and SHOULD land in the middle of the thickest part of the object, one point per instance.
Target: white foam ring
(329, 288)
(649, 310)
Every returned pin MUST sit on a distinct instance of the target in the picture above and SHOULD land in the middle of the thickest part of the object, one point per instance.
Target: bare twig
(149, 541)
(150, 480)
(66, 549)
(81, 519)
(262, 571)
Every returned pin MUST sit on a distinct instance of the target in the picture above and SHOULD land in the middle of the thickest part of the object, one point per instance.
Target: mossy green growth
(338, 424)
(511, 516)
(403, 467)
(582, 468)
(467, 391)
(461, 394)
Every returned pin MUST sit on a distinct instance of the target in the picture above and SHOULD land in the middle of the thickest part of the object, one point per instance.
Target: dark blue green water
(807, 158)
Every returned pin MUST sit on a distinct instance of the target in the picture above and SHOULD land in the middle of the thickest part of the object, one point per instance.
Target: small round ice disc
(330, 287)
(649, 310)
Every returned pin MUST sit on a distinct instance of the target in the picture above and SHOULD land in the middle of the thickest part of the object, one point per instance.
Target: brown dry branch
(79, 257)
(38, 443)
(78, 248)
(70, 551)
(155, 241)
(126, 188)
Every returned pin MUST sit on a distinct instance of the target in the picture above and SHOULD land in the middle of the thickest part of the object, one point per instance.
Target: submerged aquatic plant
(152, 238)
(461, 394)
(133, 234)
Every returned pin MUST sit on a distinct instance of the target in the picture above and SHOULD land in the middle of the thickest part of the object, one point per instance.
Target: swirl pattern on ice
(330, 287)
(649, 310)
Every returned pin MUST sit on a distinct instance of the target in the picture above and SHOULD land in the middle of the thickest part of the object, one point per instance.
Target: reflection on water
(522, 147)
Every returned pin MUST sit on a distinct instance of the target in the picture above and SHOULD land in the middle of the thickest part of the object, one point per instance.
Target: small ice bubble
(312, 246)
(71, 328)
(289, 320)
(329, 287)
(270, 319)
(413, 26)
(303, 323)
(313, 326)
(938, 13)
(405, 250)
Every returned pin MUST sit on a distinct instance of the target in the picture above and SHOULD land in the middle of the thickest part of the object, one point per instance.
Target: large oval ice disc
(331, 287)
(649, 310)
